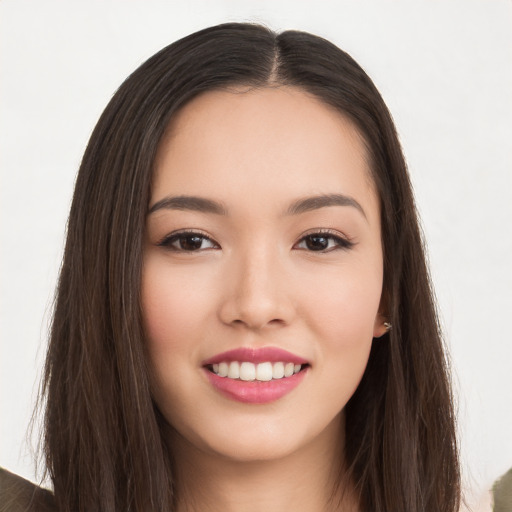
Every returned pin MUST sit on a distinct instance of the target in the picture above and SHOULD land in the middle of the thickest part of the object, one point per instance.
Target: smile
(255, 376)
(262, 372)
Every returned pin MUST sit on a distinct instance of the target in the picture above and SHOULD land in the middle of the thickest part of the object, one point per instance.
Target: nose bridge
(257, 291)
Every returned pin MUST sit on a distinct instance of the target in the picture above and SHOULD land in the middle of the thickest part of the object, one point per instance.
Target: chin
(256, 446)
(257, 439)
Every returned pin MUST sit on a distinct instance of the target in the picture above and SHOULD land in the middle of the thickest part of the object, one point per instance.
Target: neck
(310, 479)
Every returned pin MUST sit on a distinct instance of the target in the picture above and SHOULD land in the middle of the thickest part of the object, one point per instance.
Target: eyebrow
(196, 204)
(204, 205)
(322, 201)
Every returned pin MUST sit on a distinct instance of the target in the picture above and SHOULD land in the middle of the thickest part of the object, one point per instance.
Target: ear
(379, 327)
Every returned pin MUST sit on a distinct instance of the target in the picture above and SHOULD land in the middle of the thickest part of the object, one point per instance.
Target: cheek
(174, 310)
(346, 310)
(161, 312)
(174, 306)
(343, 318)
(345, 333)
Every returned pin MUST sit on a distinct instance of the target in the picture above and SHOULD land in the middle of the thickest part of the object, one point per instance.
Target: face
(262, 273)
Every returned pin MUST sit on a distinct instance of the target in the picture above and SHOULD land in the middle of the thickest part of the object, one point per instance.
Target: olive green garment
(20, 495)
(502, 493)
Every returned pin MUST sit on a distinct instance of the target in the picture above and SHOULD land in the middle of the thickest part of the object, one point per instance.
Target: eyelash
(168, 241)
(340, 242)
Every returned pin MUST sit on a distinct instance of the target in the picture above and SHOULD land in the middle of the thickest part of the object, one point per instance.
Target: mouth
(255, 376)
(262, 372)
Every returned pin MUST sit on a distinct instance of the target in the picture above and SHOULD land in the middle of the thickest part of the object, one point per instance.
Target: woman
(244, 318)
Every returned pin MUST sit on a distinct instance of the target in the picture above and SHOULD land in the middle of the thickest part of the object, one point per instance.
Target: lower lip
(255, 392)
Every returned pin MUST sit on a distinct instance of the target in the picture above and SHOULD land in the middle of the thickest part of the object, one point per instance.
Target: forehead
(259, 140)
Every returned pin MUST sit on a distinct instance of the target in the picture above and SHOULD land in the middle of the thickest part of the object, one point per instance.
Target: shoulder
(502, 492)
(20, 495)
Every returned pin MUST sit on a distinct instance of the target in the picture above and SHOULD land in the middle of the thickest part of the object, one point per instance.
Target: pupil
(317, 243)
(191, 243)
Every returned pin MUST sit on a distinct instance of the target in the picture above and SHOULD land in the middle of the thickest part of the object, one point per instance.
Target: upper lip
(256, 355)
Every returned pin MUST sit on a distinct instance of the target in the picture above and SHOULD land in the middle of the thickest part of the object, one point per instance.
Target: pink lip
(255, 392)
(256, 355)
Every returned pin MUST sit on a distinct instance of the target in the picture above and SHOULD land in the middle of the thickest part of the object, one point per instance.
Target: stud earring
(388, 326)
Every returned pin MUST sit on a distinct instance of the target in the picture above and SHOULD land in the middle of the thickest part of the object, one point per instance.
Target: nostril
(254, 323)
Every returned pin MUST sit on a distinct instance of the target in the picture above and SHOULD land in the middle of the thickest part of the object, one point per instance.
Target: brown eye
(188, 242)
(316, 242)
(323, 242)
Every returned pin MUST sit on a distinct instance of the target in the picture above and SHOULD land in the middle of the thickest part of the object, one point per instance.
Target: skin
(255, 282)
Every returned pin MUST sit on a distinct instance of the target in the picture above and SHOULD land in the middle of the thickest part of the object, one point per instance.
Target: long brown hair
(103, 437)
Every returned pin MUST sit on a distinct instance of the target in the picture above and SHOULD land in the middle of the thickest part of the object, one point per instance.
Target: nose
(257, 293)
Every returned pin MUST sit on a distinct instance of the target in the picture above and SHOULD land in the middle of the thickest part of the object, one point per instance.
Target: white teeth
(234, 370)
(278, 371)
(223, 369)
(247, 371)
(263, 372)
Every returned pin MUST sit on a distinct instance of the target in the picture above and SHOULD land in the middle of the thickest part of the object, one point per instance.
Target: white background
(445, 70)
